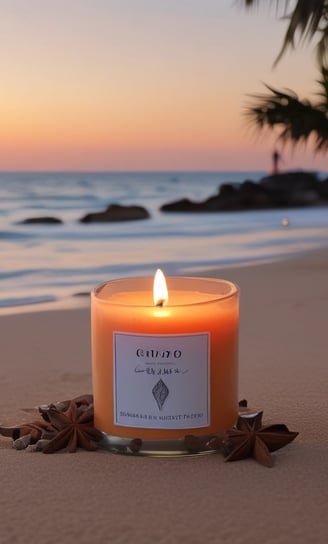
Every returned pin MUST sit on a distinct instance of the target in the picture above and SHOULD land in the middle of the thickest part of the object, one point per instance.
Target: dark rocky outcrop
(184, 205)
(41, 221)
(115, 213)
(290, 189)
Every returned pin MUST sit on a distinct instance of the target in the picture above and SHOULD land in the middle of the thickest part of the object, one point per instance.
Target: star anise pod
(63, 405)
(249, 438)
(73, 427)
(27, 433)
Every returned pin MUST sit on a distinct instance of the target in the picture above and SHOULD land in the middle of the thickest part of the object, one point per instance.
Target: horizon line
(151, 171)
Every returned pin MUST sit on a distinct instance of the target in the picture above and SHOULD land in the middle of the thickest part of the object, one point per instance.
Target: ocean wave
(23, 301)
(14, 235)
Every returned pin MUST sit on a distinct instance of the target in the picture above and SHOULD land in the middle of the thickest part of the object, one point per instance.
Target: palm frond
(322, 46)
(295, 120)
(307, 18)
(323, 93)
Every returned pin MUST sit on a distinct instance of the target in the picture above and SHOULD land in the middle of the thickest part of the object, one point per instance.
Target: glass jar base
(189, 445)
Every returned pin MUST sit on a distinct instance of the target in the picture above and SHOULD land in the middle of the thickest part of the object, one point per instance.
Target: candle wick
(160, 303)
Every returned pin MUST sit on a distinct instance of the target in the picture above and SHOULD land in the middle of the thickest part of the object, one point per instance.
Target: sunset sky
(142, 85)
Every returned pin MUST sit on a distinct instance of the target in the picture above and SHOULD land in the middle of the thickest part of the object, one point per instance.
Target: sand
(100, 497)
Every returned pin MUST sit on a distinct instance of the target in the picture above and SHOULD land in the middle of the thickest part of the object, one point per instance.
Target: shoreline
(82, 299)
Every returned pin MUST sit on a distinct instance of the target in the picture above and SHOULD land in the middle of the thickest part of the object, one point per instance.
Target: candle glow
(160, 291)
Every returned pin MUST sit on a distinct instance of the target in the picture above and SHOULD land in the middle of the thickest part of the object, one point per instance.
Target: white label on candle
(161, 382)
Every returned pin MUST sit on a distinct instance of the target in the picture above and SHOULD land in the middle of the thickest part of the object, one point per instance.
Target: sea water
(44, 263)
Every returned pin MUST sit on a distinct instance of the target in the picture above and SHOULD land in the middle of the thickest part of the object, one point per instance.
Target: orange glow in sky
(146, 85)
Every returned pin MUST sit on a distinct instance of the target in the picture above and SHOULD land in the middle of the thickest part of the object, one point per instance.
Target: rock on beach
(116, 212)
(41, 221)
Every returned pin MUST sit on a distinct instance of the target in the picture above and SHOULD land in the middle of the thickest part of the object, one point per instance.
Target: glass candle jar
(165, 378)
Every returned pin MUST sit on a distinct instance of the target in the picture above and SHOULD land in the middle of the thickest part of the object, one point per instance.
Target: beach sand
(101, 497)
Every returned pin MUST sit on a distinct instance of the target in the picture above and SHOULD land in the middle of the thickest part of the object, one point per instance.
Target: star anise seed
(39, 445)
(22, 442)
(135, 445)
(35, 430)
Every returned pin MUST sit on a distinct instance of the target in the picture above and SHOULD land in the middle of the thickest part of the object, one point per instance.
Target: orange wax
(197, 307)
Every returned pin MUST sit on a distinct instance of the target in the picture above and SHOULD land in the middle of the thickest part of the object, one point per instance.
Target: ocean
(61, 263)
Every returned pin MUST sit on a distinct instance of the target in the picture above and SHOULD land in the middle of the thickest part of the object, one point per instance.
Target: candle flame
(160, 292)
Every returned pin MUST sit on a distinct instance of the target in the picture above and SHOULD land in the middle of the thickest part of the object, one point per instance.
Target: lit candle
(164, 361)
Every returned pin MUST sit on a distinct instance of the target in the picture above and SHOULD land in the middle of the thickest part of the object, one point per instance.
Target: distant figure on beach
(276, 157)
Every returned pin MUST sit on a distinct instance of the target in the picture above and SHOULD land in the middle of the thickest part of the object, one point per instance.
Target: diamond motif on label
(160, 392)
